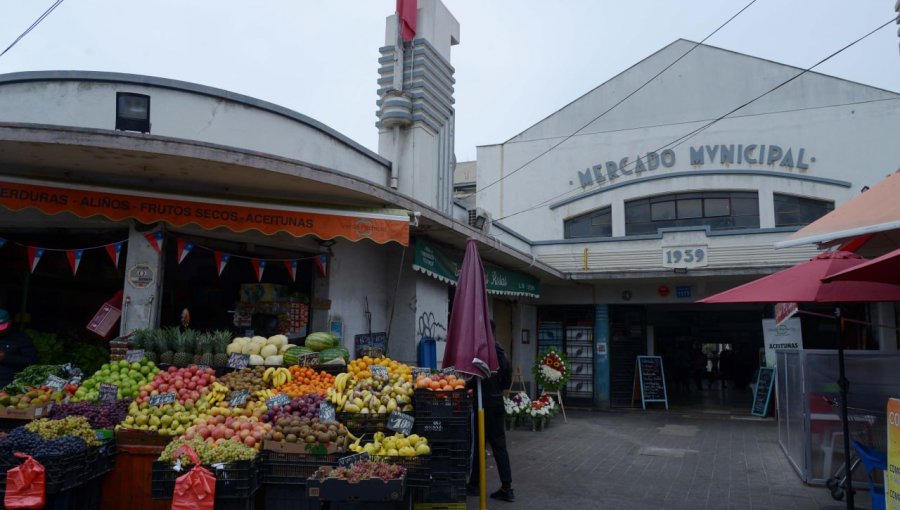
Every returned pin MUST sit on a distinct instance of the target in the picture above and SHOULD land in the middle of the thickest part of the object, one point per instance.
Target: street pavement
(655, 459)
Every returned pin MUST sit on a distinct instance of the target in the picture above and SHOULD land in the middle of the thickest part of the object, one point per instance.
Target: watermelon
(292, 355)
(320, 341)
(333, 353)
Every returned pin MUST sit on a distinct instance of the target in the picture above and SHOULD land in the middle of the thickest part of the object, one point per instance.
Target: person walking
(16, 349)
(494, 427)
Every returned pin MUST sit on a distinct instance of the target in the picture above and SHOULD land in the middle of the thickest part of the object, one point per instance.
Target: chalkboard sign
(417, 371)
(372, 344)
(378, 370)
(55, 383)
(326, 412)
(352, 459)
(162, 399)
(278, 400)
(308, 360)
(449, 371)
(238, 398)
(238, 361)
(108, 392)
(134, 355)
(400, 422)
(652, 380)
(764, 383)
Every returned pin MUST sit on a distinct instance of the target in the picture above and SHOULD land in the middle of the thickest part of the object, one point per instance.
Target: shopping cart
(867, 427)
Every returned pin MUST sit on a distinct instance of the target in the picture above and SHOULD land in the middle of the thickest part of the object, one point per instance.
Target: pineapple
(165, 343)
(184, 347)
(220, 341)
(205, 343)
(144, 339)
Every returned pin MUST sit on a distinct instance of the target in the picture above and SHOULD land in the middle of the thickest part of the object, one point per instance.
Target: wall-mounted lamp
(132, 112)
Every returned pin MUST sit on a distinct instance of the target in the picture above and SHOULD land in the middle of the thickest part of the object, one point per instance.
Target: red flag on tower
(406, 9)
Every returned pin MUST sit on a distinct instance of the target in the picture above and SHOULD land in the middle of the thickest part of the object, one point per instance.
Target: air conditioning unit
(480, 219)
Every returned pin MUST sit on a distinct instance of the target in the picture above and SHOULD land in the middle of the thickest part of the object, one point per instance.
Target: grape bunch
(57, 447)
(226, 451)
(19, 440)
(101, 415)
(69, 426)
(362, 470)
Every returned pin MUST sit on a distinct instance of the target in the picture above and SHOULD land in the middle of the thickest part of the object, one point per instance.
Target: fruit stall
(255, 422)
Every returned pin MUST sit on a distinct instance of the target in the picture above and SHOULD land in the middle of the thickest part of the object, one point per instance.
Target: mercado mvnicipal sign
(85, 202)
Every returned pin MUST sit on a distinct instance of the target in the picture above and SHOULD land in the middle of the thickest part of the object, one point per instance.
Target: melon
(292, 354)
(268, 350)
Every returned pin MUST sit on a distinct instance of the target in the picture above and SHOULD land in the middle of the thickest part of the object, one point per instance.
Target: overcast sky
(517, 62)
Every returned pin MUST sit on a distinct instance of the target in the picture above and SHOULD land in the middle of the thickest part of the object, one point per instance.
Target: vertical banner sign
(115, 250)
(221, 261)
(184, 247)
(74, 257)
(291, 266)
(155, 240)
(892, 473)
(34, 256)
(786, 335)
(652, 380)
(765, 381)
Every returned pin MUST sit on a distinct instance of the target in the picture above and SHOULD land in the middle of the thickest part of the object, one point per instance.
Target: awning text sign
(208, 214)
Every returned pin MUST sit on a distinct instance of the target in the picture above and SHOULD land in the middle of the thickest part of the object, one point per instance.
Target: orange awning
(875, 210)
(178, 211)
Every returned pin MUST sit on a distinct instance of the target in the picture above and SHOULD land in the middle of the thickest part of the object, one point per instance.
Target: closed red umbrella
(884, 269)
(804, 283)
(470, 342)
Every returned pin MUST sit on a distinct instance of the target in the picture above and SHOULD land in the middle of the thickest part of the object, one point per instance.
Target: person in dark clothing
(16, 350)
(494, 426)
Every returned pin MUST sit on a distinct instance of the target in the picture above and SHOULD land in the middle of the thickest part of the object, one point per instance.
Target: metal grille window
(793, 211)
(593, 224)
(719, 210)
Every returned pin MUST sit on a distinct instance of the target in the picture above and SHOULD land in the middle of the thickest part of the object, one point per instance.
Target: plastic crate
(445, 489)
(293, 468)
(234, 480)
(100, 460)
(368, 423)
(331, 489)
(418, 469)
(444, 429)
(285, 497)
(449, 457)
(442, 404)
(61, 472)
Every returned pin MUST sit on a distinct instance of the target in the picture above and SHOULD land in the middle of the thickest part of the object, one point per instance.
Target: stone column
(143, 283)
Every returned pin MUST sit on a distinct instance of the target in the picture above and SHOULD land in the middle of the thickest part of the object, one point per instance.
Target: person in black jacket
(494, 426)
(16, 350)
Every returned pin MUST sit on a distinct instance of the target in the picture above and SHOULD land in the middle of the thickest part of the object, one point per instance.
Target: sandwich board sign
(651, 378)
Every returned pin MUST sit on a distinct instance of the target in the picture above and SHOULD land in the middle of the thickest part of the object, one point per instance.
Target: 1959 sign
(684, 256)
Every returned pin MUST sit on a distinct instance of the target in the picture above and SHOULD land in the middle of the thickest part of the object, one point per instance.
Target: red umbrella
(804, 283)
(885, 269)
(470, 342)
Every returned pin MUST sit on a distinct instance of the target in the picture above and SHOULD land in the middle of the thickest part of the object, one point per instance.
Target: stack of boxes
(445, 418)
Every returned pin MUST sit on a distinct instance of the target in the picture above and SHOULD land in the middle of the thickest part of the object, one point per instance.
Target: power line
(682, 139)
(611, 108)
(33, 25)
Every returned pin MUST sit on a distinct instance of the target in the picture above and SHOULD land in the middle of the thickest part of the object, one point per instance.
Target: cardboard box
(301, 448)
(29, 413)
(262, 292)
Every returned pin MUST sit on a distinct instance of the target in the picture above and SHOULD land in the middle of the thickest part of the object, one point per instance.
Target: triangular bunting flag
(114, 250)
(155, 239)
(184, 247)
(322, 264)
(291, 266)
(259, 266)
(34, 256)
(221, 260)
(74, 257)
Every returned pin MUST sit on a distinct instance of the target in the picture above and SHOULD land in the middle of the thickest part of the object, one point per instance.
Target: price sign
(108, 392)
(55, 383)
(165, 398)
(278, 400)
(134, 355)
(378, 370)
(308, 360)
(202, 367)
(352, 459)
(449, 371)
(238, 361)
(400, 422)
(238, 398)
(326, 412)
(416, 371)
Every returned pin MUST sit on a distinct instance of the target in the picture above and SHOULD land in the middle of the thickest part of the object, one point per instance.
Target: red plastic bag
(195, 490)
(26, 484)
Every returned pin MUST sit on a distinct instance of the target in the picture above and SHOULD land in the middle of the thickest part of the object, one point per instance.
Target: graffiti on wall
(429, 327)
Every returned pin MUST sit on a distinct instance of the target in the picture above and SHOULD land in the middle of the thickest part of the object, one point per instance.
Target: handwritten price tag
(352, 459)
(308, 360)
(379, 370)
(400, 422)
(417, 371)
(108, 392)
(55, 383)
(165, 398)
(134, 355)
(238, 398)
(326, 412)
(278, 400)
(238, 361)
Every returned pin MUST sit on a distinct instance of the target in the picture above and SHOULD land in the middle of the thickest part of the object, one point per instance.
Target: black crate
(235, 480)
(442, 404)
(449, 457)
(444, 429)
(101, 459)
(418, 472)
(86, 496)
(444, 489)
(285, 497)
(364, 423)
(365, 505)
(331, 489)
(293, 468)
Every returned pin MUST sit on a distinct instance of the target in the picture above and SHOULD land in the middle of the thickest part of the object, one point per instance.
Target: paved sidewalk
(654, 460)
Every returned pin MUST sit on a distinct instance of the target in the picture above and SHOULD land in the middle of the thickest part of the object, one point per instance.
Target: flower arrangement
(517, 405)
(551, 370)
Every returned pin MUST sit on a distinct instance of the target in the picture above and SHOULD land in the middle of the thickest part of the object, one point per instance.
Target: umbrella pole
(482, 478)
(844, 384)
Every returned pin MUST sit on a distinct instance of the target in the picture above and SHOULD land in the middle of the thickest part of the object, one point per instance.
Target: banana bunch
(263, 395)
(338, 394)
(217, 393)
(277, 376)
(340, 381)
